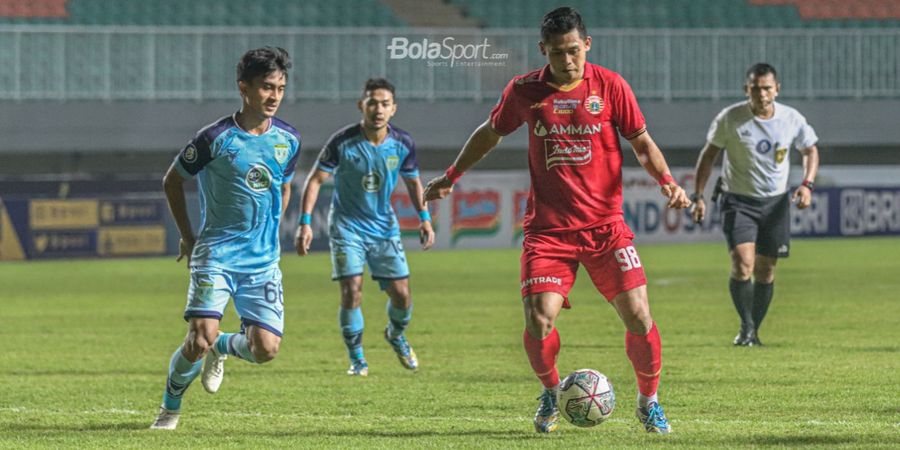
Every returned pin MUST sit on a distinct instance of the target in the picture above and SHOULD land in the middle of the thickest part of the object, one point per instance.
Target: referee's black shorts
(765, 221)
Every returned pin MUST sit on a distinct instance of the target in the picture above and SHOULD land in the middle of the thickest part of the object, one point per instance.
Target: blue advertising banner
(849, 211)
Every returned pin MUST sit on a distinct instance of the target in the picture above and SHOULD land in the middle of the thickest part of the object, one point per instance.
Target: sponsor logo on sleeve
(190, 154)
(567, 152)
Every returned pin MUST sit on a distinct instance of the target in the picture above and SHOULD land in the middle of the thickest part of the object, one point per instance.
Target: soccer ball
(586, 398)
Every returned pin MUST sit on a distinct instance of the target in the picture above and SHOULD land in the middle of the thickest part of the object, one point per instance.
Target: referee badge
(780, 154)
(594, 104)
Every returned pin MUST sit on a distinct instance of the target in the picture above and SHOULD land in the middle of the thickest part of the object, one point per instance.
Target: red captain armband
(452, 174)
(666, 179)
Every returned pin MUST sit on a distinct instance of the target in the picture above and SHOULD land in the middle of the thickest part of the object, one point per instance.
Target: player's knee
(400, 297)
(741, 270)
(639, 323)
(351, 297)
(265, 352)
(539, 325)
(196, 345)
(637, 320)
(764, 274)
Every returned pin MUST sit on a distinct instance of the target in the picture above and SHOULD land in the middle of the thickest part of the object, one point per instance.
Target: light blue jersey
(239, 177)
(364, 178)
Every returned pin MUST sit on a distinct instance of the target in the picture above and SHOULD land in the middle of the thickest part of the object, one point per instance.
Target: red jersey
(574, 154)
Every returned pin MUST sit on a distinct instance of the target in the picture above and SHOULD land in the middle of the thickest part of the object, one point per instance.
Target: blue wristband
(424, 216)
(305, 219)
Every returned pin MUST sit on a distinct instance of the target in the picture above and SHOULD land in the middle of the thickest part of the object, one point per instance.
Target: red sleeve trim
(637, 133)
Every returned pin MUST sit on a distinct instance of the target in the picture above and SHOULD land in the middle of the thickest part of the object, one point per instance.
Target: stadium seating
(287, 13)
(693, 13)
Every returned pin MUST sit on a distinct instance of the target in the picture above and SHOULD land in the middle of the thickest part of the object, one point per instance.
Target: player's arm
(480, 143)
(417, 196)
(803, 194)
(702, 171)
(173, 185)
(304, 235)
(285, 197)
(652, 160)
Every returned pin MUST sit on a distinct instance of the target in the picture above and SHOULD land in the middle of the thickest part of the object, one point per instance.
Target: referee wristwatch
(695, 197)
(809, 185)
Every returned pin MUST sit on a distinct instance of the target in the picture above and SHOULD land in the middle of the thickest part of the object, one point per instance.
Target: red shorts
(550, 260)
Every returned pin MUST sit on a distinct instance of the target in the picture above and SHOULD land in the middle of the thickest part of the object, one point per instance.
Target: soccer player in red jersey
(575, 112)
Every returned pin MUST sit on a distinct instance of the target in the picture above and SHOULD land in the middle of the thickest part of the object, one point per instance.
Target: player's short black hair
(760, 69)
(377, 83)
(262, 62)
(561, 21)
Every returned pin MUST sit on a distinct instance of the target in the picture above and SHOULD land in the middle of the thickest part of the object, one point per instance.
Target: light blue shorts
(258, 297)
(385, 258)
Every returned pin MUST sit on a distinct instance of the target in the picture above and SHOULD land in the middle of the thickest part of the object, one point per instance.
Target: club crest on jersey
(281, 153)
(392, 162)
(565, 105)
(567, 152)
(539, 129)
(371, 182)
(259, 178)
(594, 104)
(190, 154)
(763, 147)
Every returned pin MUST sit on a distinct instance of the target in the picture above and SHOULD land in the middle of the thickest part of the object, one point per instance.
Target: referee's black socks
(742, 294)
(762, 297)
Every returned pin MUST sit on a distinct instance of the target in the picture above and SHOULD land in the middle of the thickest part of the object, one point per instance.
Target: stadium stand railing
(197, 63)
(198, 13)
(692, 13)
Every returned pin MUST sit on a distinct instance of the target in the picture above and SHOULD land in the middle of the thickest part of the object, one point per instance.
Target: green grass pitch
(85, 346)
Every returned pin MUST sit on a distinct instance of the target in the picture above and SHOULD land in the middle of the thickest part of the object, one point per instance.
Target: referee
(756, 135)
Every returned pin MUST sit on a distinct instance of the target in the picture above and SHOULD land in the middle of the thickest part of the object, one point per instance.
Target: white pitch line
(131, 412)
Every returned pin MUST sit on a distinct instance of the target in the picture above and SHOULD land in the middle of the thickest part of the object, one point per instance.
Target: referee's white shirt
(757, 151)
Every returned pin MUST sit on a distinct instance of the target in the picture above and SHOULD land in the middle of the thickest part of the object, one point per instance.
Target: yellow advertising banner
(63, 214)
(116, 241)
(10, 247)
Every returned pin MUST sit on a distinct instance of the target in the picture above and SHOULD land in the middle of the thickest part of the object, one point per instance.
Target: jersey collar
(546, 77)
(238, 126)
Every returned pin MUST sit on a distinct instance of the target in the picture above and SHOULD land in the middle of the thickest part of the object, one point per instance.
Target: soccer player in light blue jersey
(366, 159)
(243, 164)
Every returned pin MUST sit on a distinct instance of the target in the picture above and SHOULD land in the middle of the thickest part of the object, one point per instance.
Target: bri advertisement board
(487, 210)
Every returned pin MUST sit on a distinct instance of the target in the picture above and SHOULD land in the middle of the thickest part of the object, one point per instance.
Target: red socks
(542, 356)
(645, 353)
